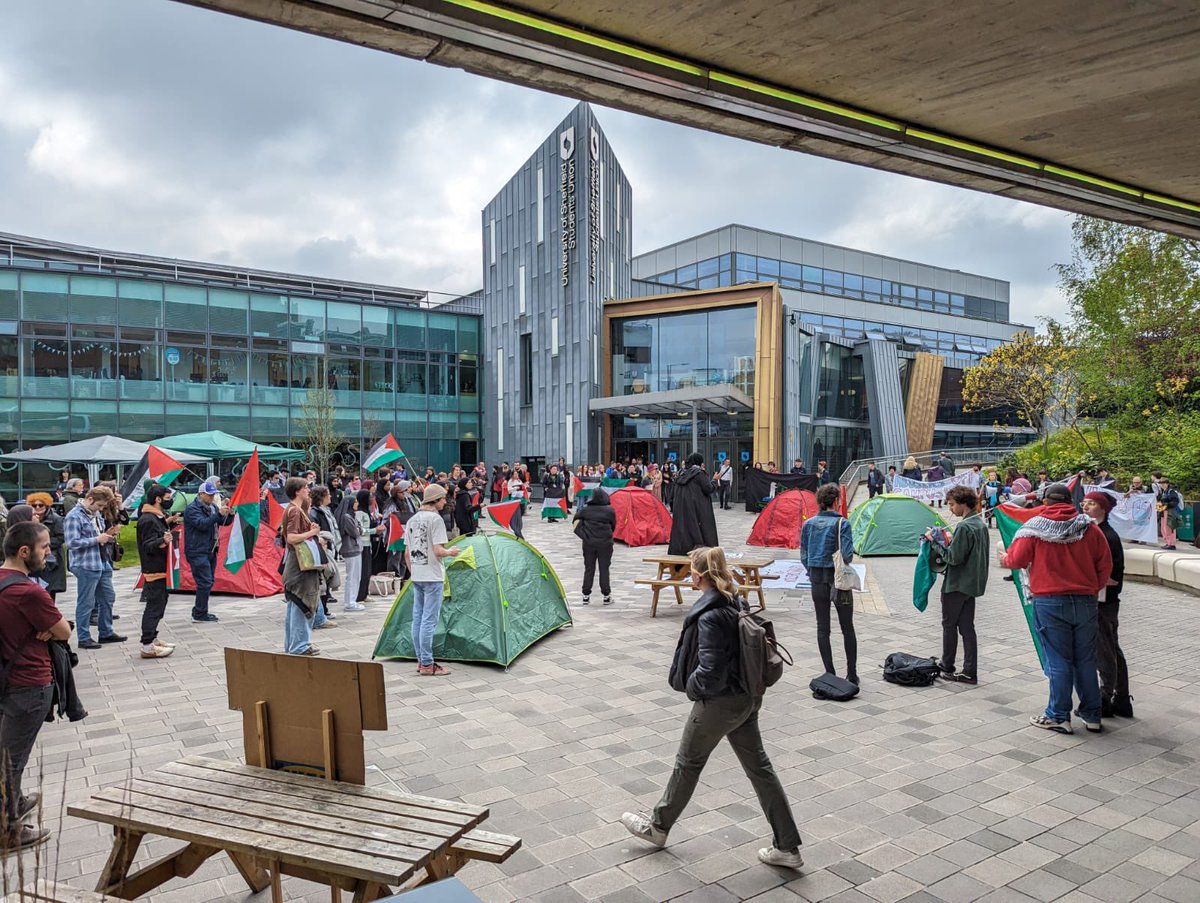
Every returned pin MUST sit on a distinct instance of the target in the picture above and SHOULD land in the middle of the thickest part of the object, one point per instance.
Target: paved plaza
(922, 795)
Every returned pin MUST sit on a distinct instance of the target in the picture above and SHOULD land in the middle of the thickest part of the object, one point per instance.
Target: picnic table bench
(274, 823)
(674, 573)
(51, 892)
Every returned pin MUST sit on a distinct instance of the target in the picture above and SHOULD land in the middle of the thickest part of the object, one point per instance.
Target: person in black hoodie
(707, 667)
(693, 522)
(595, 523)
(464, 512)
(155, 541)
(1110, 660)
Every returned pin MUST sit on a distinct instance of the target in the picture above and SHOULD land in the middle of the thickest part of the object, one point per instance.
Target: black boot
(1106, 707)
(1122, 706)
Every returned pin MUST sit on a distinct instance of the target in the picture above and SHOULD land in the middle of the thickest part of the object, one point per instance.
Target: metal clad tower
(556, 244)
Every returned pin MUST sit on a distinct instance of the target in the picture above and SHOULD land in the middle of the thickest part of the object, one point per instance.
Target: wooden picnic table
(674, 572)
(272, 823)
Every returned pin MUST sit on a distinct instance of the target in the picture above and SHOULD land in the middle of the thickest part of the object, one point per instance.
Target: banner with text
(1135, 517)
(931, 492)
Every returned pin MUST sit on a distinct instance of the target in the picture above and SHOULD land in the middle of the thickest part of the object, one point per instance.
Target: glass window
(343, 375)
(270, 379)
(682, 352)
(634, 346)
(708, 282)
(45, 365)
(747, 276)
(831, 279)
(95, 418)
(10, 367)
(686, 274)
(731, 347)
(378, 387)
(443, 425)
(851, 281)
(187, 307)
(270, 423)
(188, 418)
(376, 325)
(708, 267)
(442, 332)
(411, 389)
(468, 334)
(724, 278)
(410, 329)
(746, 262)
(468, 425)
(139, 364)
(142, 420)
(49, 421)
(44, 297)
(308, 320)
(957, 303)
(93, 300)
(411, 425)
(227, 374)
(232, 418)
(140, 303)
(768, 267)
(269, 316)
(188, 380)
(525, 362)
(93, 362)
(468, 376)
(9, 306)
(344, 322)
(229, 311)
(790, 270)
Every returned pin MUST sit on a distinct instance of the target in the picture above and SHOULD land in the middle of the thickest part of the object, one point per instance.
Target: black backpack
(910, 670)
(762, 657)
(830, 686)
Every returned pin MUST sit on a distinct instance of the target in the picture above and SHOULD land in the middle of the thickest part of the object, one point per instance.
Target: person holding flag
(160, 560)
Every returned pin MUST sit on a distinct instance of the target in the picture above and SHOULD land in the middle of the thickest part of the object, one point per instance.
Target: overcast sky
(153, 127)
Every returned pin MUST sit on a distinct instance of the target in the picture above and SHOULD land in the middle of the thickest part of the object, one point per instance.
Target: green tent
(892, 525)
(217, 445)
(495, 611)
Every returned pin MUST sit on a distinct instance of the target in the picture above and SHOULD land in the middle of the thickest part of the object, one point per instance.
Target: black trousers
(23, 710)
(726, 492)
(154, 606)
(873, 491)
(364, 580)
(591, 556)
(1110, 660)
(822, 593)
(958, 616)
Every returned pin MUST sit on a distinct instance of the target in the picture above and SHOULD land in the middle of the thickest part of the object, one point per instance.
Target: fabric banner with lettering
(1135, 517)
(930, 492)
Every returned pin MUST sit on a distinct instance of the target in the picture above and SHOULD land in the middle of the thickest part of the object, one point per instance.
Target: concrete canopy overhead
(1091, 108)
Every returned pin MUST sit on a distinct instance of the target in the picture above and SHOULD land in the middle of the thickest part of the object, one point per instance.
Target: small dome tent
(642, 520)
(892, 525)
(778, 525)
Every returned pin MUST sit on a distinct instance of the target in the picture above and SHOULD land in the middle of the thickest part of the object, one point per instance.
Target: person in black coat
(707, 667)
(1110, 658)
(54, 574)
(595, 524)
(464, 509)
(693, 522)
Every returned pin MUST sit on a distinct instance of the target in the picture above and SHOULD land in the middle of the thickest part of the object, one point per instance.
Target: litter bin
(1187, 530)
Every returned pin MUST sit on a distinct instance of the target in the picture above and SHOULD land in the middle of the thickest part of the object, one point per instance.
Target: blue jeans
(202, 573)
(1066, 626)
(297, 629)
(94, 591)
(427, 607)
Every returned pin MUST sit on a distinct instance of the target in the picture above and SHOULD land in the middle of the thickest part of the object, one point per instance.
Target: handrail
(855, 472)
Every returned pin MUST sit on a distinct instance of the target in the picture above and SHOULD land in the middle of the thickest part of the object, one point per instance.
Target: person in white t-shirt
(425, 547)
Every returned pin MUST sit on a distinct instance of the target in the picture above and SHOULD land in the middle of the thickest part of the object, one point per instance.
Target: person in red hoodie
(1069, 563)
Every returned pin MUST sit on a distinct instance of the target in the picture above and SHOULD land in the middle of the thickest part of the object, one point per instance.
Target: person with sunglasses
(54, 571)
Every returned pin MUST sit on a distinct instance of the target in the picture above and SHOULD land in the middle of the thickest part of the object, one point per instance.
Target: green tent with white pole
(892, 525)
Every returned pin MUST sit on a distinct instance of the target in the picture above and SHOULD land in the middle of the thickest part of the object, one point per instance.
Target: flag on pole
(156, 466)
(381, 454)
(502, 513)
(576, 485)
(1008, 520)
(274, 513)
(246, 515)
(173, 562)
(395, 534)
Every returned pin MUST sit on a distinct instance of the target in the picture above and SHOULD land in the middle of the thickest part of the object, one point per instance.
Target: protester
(595, 523)
(707, 667)
(28, 620)
(1104, 480)
(155, 539)
(554, 487)
(725, 483)
(693, 523)
(824, 535)
(1170, 506)
(992, 490)
(321, 514)
(498, 484)
(911, 470)
(301, 589)
(1110, 659)
(71, 495)
(966, 559)
(823, 474)
(890, 479)
(464, 508)
(670, 471)
(368, 525)
(656, 481)
(946, 463)
(425, 547)
(516, 493)
(201, 519)
(351, 532)
(933, 475)
(798, 467)
(875, 483)
(1069, 564)
(64, 479)
(54, 572)
(87, 537)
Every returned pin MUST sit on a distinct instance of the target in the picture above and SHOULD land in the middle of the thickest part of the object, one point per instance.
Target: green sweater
(966, 558)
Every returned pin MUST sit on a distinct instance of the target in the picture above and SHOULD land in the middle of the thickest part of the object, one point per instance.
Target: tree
(318, 425)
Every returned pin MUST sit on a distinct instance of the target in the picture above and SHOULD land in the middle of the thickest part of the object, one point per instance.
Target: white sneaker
(355, 606)
(779, 858)
(641, 827)
(587, 600)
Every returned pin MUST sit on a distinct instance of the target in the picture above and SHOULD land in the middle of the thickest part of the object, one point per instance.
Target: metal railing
(856, 471)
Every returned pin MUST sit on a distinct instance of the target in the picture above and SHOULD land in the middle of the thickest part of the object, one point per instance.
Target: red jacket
(1079, 568)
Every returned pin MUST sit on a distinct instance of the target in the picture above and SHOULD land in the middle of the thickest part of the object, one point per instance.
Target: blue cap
(208, 487)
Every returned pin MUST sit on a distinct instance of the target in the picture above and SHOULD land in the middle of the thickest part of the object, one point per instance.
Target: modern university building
(738, 342)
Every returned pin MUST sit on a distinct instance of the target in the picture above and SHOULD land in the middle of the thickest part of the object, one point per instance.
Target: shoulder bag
(844, 577)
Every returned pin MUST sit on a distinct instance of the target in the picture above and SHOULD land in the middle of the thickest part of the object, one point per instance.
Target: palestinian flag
(555, 509)
(1009, 519)
(173, 563)
(274, 513)
(576, 485)
(156, 466)
(395, 534)
(502, 513)
(381, 454)
(246, 514)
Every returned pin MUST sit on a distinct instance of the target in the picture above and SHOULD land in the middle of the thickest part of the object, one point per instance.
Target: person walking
(966, 561)
(1170, 504)
(707, 668)
(155, 540)
(54, 571)
(28, 620)
(874, 481)
(1069, 565)
(425, 547)
(1110, 659)
(201, 519)
(725, 483)
(87, 539)
(301, 589)
(595, 524)
(693, 523)
(824, 535)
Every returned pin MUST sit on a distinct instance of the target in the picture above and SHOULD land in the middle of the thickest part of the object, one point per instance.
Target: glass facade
(83, 354)
(735, 269)
(674, 351)
(947, 344)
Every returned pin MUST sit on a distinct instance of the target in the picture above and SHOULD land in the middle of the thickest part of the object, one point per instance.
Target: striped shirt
(82, 531)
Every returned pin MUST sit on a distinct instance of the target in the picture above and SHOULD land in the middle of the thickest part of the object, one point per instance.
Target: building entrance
(714, 450)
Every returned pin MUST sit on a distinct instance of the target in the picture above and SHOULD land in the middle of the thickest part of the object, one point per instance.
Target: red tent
(259, 577)
(778, 525)
(642, 520)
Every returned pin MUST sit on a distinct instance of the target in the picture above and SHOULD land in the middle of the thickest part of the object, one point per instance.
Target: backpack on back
(910, 670)
(762, 657)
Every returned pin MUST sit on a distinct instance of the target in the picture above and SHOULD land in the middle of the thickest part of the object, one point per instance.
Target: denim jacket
(819, 537)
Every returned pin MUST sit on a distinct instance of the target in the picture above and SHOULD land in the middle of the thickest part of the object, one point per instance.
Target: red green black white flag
(502, 513)
(381, 454)
(395, 534)
(173, 563)
(156, 466)
(1008, 520)
(246, 516)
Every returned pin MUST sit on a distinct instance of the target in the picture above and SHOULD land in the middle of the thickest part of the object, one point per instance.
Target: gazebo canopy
(98, 450)
(217, 445)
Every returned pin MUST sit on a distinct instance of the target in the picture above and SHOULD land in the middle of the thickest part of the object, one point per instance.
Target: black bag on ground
(910, 670)
(830, 686)
(762, 656)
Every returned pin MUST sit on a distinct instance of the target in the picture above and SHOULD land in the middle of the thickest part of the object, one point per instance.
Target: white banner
(931, 492)
(791, 574)
(1135, 517)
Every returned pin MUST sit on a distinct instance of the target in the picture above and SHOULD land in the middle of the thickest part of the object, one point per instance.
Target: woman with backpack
(824, 535)
(707, 667)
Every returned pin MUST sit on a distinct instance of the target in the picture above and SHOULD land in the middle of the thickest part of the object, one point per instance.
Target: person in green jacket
(966, 566)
